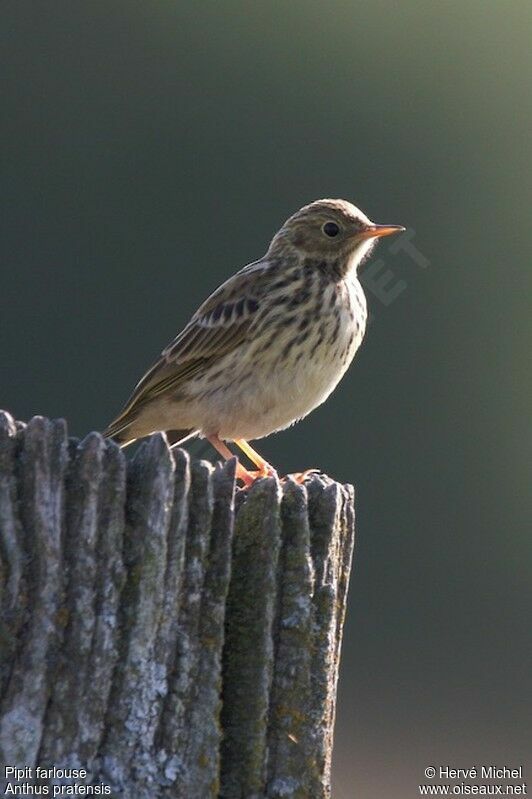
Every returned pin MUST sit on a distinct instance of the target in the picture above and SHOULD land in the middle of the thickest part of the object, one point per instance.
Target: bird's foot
(300, 477)
(248, 477)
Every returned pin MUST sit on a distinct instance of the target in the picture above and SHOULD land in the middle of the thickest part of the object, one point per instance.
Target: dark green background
(152, 148)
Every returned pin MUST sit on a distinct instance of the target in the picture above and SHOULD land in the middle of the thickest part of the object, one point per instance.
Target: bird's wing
(219, 326)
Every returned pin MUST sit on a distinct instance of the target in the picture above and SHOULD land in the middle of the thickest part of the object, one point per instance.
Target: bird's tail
(120, 432)
(176, 437)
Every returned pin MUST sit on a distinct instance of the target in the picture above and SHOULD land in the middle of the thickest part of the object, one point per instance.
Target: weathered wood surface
(173, 638)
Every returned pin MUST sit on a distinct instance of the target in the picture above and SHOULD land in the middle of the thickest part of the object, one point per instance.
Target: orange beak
(374, 231)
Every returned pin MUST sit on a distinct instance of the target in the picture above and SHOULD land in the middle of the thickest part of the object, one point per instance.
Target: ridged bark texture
(173, 635)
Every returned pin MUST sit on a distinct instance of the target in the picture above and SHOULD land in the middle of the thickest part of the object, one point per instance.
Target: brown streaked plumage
(269, 345)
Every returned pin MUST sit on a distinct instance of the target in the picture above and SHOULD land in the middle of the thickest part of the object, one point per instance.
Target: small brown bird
(269, 345)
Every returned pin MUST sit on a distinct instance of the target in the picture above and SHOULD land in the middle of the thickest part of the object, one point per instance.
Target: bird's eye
(331, 229)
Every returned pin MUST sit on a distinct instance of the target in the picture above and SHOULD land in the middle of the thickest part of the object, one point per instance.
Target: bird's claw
(300, 477)
(248, 477)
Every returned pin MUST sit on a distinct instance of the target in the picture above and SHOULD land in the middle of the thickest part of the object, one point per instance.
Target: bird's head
(334, 231)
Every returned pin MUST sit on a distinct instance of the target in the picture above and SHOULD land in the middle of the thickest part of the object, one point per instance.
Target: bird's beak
(374, 231)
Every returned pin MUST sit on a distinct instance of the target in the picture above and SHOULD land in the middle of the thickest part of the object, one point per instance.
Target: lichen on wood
(170, 633)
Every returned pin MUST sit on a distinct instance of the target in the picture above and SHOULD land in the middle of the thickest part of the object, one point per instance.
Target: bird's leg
(248, 478)
(265, 469)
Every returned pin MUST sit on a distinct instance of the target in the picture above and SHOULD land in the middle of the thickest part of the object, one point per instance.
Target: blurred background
(149, 149)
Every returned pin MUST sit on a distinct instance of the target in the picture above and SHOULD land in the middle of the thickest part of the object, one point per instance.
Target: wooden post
(170, 637)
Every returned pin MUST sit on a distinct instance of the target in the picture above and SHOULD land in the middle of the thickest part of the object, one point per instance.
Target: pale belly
(275, 392)
(262, 389)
